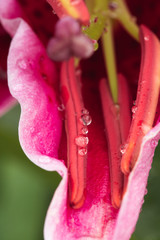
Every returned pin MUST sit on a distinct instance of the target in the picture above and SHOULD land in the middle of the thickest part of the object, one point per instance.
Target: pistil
(76, 121)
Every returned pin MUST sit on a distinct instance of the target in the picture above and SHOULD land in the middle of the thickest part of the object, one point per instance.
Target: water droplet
(84, 111)
(22, 64)
(134, 102)
(84, 130)
(86, 119)
(146, 38)
(82, 151)
(134, 109)
(61, 107)
(154, 143)
(123, 148)
(81, 141)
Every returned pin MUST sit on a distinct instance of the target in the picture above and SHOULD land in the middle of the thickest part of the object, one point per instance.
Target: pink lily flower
(91, 202)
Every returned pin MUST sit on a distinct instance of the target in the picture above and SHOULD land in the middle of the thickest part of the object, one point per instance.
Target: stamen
(111, 118)
(76, 133)
(147, 98)
(119, 10)
(69, 41)
(117, 123)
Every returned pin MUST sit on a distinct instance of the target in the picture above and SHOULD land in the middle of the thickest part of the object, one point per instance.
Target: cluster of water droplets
(82, 140)
(134, 109)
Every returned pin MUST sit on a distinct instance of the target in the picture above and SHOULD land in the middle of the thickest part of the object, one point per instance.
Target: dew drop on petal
(146, 38)
(61, 107)
(81, 141)
(86, 119)
(134, 102)
(123, 148)
(134, 109)
(84, 130)
(154, 143)
(84, 111)
(82, 151)
(22, 64)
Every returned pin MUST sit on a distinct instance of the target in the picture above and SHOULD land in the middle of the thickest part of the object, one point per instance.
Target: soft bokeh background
(26, 191)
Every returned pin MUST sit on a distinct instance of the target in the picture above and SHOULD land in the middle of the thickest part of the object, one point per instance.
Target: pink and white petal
(136, 189)
(31, 78)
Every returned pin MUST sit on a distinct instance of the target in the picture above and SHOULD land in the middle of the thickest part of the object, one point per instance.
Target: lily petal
(30, 78)
(136, 189)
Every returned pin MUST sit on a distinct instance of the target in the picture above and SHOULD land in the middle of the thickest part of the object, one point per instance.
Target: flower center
(124, 136)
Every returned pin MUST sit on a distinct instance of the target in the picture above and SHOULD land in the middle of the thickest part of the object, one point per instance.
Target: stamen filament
(147, 98)
(116, 133)
(77, 142)
(111, 118)
(119, 11)
(109, 57)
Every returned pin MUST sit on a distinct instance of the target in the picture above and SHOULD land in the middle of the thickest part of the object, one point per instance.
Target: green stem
(119, 11)
(109, 56)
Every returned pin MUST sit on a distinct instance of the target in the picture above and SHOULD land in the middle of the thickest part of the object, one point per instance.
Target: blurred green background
(26, 191)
